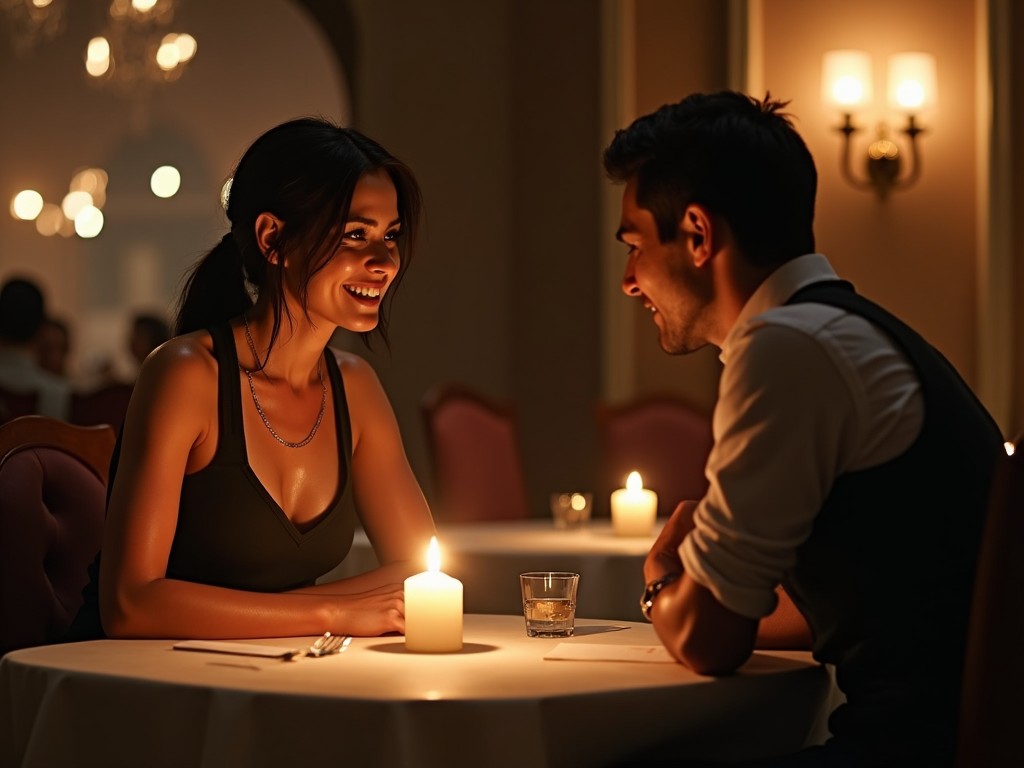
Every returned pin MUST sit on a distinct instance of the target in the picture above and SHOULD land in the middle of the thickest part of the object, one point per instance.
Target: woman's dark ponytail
(214, 289)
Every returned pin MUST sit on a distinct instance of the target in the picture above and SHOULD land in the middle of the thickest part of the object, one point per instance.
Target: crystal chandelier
(31, 22)
(138, 48)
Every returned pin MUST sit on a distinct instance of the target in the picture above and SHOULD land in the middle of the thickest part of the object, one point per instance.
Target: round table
(499, 702)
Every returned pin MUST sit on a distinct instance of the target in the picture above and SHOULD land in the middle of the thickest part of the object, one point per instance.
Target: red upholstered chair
(664, 438)
(992, 706)
(474, 445)
(106, 405)
(53, 480)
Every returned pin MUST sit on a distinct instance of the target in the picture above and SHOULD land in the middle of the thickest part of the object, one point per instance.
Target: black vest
(885, 577)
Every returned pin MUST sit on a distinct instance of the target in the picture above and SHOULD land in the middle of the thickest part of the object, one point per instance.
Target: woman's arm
(170, 429)
(391, 505)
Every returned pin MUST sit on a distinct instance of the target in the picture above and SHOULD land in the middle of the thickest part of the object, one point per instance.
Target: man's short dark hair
(22, 310)
(739, 157)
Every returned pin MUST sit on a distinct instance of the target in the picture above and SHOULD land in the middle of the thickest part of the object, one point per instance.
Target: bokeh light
(26, 205)
(165, 181)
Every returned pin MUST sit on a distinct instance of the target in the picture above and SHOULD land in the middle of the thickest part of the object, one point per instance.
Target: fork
(328, 644)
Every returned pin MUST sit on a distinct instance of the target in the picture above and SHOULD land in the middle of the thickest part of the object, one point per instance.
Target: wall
(495, 106)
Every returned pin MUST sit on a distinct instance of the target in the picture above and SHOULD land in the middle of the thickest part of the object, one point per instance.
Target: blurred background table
(487, 557)
(497, 703)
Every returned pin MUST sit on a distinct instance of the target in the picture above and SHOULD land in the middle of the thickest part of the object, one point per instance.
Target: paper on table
(240, 649)
(596, 652)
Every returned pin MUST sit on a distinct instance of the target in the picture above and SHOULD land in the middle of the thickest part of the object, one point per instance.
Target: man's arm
(701, 632)
(696, 629)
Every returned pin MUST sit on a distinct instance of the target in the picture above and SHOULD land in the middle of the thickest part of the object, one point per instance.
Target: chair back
(15, 404)
(992, 706)
(664, 438)
(106, 405)
(53, 478)
(475, 448)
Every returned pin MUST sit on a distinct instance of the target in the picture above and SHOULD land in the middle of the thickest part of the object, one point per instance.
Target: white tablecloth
(488, 558)
(497, 703)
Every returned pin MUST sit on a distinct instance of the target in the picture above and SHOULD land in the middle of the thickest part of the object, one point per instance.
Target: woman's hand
(372, 613)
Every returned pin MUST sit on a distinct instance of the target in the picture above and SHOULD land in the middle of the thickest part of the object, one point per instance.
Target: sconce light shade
(912, 82)
(846, 79)
(846, 86)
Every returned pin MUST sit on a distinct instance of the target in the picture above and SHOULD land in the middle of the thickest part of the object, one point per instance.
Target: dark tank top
(230, 531)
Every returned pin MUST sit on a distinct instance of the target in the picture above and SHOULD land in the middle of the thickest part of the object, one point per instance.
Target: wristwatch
(651, 591)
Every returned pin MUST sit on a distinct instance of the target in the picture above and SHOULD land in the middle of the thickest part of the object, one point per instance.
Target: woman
(248, 440)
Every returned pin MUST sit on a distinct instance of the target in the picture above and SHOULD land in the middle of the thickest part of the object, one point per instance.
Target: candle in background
(433, 608)
(634, 508)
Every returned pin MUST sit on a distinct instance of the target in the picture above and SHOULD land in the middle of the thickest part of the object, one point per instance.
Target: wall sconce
(846, 85)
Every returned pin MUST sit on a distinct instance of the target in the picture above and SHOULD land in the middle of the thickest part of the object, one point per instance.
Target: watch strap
(651, 592)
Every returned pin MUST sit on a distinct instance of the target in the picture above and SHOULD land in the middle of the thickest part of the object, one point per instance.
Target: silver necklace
(256, 400)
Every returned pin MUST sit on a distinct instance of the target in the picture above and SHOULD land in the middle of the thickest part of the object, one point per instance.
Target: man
(851, 463)
(22, 311)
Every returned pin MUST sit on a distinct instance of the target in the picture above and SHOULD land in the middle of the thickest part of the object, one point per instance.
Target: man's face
(664, 277)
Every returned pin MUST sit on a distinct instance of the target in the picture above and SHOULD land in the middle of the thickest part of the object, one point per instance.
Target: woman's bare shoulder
(353, 366)
(182, 361)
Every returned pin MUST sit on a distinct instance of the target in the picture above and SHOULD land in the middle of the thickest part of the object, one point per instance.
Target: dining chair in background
(15, 404)
(992, 705)
(106, 405)
(53, 478)
(476, 455)
(664, 438)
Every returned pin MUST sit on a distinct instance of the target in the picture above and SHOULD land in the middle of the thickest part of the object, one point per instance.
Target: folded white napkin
(596, 652)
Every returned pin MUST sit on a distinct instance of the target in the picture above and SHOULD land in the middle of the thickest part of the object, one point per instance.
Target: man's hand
(663, 558)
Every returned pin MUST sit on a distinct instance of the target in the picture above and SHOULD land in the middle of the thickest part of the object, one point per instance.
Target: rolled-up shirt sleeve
(785, 423)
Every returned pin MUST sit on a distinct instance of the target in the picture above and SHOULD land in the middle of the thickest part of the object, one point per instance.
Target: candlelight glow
(578, 502)
(1009, 448)
(433, 556)
(634, 482)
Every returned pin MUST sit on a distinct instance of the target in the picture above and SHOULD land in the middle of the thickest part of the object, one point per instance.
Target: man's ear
(268, 232)
(697, 230)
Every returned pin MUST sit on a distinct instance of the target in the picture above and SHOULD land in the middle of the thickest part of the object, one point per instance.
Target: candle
(634, 508)
(433, 608)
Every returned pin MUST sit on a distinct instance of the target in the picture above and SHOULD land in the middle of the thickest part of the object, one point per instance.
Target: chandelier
(138, 47)
(31, 22)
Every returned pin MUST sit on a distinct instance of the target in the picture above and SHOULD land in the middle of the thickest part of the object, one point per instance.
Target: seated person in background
(22, 312)
(251, 447)
(851, 463)
(53, 346)
(147, 333)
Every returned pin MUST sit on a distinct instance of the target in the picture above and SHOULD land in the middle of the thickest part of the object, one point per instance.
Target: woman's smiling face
(348, 290)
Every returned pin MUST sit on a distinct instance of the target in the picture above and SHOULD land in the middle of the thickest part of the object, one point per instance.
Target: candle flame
(433, 556)
(578, 502)
(634, 482)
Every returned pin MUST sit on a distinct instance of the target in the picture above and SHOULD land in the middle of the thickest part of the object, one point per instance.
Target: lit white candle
(433, 608)
(634, 508)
